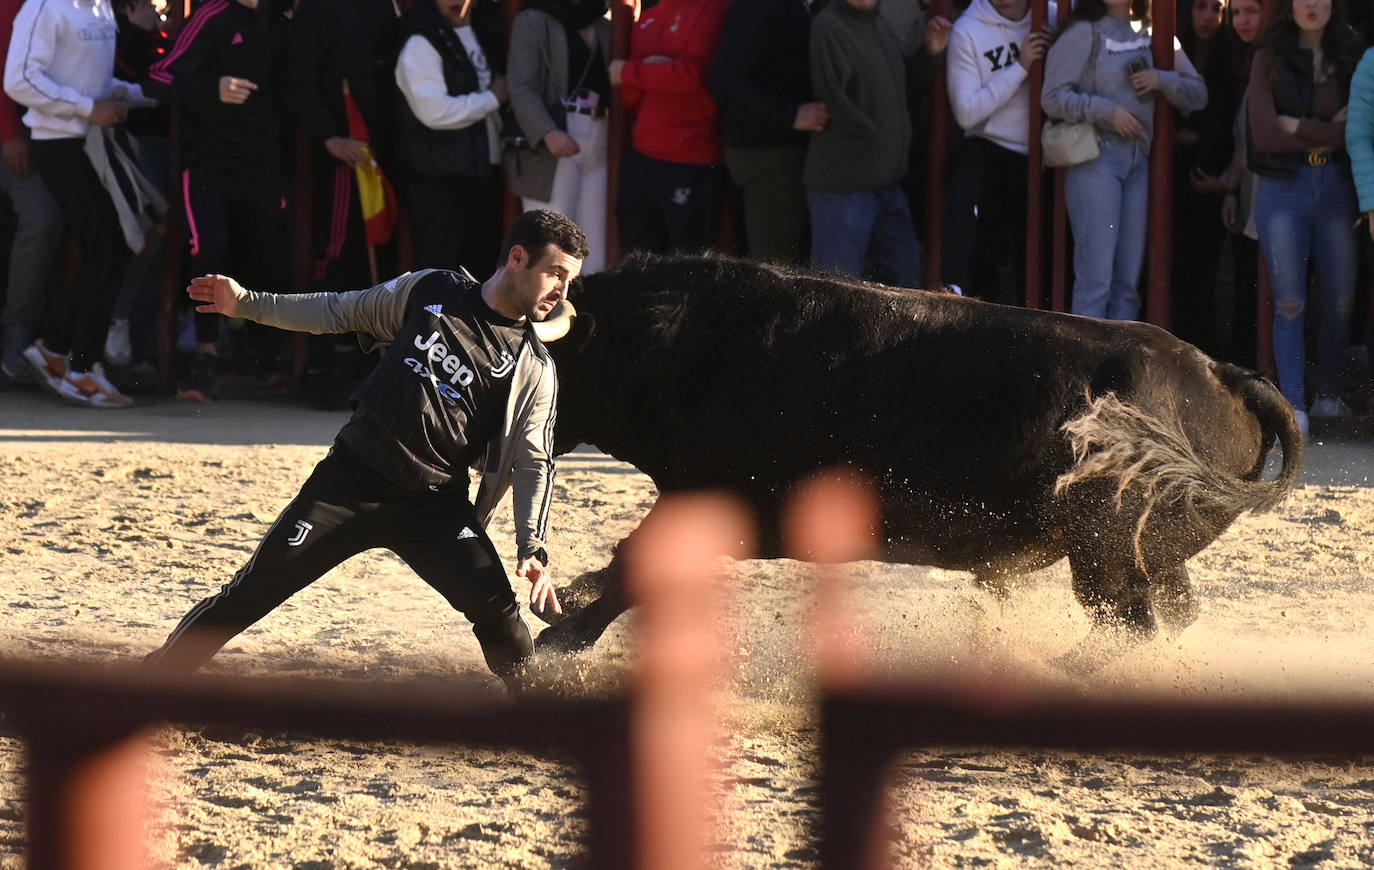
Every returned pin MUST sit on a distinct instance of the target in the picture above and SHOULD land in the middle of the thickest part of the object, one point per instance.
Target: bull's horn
(557, 324)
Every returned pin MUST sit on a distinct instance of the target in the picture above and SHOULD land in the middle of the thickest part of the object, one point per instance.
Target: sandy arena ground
(112, 524)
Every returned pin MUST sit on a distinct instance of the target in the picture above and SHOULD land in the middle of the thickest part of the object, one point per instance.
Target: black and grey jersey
(439, 393)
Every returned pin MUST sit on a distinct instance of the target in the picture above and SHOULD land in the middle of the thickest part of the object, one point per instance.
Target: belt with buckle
(1318, 158)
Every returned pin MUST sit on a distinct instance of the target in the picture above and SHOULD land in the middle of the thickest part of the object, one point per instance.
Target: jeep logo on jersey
(449, 394)
(441, 360)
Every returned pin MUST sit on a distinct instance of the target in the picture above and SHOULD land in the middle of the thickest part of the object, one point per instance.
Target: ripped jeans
(1310, 217)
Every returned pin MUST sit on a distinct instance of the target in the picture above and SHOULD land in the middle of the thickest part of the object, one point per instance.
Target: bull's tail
(1153, 456)
(1277, 420)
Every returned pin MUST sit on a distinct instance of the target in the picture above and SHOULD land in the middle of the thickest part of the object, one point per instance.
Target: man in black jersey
(463, 378)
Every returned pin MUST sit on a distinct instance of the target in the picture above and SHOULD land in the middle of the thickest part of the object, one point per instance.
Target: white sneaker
(1304, 426)
(92, 389)
(1330, 406)
(118, 351)
(48, 368)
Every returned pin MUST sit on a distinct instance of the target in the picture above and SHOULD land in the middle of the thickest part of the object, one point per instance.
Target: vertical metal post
(1158, 301)
(1059, 269)
(1264, 321)
(937, 157)
(624, 14)
(86, 800)
(832, 519)
(1035, 173)
(672, 570)
(510, 203)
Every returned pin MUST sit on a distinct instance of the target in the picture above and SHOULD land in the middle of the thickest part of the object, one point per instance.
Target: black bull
(999, 439)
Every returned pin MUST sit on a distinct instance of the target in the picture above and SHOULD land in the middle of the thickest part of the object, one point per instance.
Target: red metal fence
(642, 755)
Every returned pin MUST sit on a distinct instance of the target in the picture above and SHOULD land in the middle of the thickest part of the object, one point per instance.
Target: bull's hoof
(562, 639)
(1101, 647)
(549, 616)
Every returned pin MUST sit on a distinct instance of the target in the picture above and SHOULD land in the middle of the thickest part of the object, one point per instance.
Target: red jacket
(675, 117)
(10, 125)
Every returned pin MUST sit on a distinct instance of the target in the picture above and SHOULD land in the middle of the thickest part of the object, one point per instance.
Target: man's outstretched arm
(378, 311)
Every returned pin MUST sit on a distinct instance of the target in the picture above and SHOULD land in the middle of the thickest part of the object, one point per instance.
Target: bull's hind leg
(1116, 594)
(1174, 602)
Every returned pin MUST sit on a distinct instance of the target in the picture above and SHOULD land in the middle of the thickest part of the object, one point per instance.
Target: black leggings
(226, 207)
(81, 312)
(335, 516)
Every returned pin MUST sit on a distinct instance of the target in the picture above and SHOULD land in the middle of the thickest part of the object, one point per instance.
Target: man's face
(863, 5)
(542, 281)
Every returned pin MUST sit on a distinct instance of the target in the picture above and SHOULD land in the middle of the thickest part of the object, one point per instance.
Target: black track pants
(334, 517)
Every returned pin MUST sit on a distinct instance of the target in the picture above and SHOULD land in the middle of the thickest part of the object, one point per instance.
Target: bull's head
(567, 333)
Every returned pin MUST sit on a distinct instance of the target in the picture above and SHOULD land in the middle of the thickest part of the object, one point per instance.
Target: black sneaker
(202, 382)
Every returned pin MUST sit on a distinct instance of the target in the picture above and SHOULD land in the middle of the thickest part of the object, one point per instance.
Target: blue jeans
(1309, 217)
(872, 225)
(1107, 201)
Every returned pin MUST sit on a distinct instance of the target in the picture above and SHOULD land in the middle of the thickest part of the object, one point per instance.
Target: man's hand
(1034, 48)
(235, 90)
(500, 89)
(16, 155)
(936, 34)
(1230, 213)
(220, 293)
(1201, 182)
(107, 113)
(811, 117)
(541, 585)
(347, 151)
(560, 144)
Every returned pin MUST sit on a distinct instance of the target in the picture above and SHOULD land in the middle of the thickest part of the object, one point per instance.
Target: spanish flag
(375, 195)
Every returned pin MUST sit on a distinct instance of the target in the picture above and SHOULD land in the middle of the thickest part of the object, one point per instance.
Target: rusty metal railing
(642, 755)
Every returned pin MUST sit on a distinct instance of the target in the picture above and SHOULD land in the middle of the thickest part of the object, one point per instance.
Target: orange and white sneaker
(48, 368)
(92, 389)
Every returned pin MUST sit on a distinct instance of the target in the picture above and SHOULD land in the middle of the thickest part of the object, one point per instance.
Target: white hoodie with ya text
(989, 89)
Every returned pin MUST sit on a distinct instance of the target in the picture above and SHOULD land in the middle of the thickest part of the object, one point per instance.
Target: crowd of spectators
(789, 132)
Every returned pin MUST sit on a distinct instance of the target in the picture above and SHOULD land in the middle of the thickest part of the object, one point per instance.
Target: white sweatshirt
(420, 76)
(61, 60)
(989, 89)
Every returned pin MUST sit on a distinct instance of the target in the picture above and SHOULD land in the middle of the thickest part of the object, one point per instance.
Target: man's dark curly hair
(538, 228)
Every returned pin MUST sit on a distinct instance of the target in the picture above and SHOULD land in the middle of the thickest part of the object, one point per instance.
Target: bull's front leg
(590, 604)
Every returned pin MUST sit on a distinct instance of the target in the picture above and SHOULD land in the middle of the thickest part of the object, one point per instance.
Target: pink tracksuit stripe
(160, 70)
(338, 220)
(190, 215)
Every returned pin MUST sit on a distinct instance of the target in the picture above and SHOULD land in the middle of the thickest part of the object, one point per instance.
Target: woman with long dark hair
(1305, 208)
(1202, 150)
(1101, 69)
(1239, 186)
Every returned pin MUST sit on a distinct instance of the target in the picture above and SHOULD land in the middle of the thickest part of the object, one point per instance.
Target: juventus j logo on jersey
(302, 529)
(504, 366)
